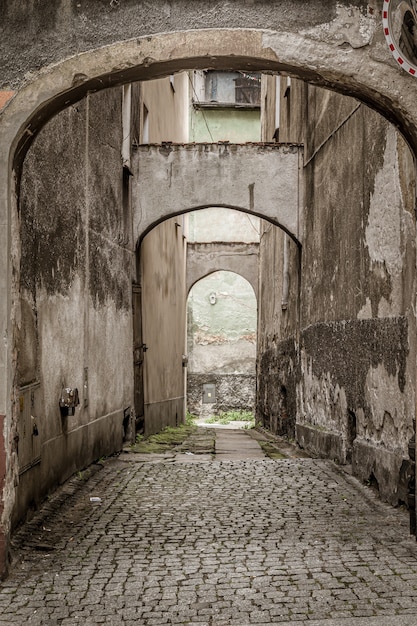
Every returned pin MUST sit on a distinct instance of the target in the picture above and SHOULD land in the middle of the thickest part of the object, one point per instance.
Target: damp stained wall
(74, 327)
(352, 352)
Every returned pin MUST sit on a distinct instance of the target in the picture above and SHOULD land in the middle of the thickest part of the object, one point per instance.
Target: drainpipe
(126, 124)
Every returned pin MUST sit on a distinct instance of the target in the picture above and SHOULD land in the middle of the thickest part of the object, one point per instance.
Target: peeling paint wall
(353, 349)
(278, 314)
(74, 327)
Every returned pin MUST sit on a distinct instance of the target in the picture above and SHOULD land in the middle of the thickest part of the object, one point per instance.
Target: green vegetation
(190, 419)
(161, 442)
(227, 417)
(271, 451)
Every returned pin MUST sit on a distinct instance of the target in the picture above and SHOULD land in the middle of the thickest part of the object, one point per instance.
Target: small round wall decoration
(399, 20)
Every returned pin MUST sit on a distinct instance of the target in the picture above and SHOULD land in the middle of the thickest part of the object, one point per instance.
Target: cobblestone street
(209, 542)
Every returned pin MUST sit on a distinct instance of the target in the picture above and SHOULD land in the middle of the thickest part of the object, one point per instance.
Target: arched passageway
(262, 179)
(341, 49)
(204, 258)
(221, 345)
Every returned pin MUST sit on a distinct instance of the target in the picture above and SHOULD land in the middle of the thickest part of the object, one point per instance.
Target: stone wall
(233, 392)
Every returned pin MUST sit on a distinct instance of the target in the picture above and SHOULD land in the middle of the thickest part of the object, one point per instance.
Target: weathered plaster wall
(162, 270)
(183, 177)
(363, 246)
(206, 258)
(221, 342)
(354, 350)
(74, 326)
(63, 29)
(278, 319)
(162, 260)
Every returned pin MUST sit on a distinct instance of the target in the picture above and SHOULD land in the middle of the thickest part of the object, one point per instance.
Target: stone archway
(342, 49)
(263, 179)
(221, 344)
(361, 67)
(205, 258)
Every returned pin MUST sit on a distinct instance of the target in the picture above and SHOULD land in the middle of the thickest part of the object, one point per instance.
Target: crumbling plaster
(53, 54)
(73, 288)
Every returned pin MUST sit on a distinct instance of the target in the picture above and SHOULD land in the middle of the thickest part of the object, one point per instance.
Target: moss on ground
(184, 438)
(271, 451)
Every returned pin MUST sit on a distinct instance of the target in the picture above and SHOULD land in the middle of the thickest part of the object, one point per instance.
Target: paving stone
(234, 542)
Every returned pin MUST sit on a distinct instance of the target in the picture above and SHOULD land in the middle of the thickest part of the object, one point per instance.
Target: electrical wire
(202, 111)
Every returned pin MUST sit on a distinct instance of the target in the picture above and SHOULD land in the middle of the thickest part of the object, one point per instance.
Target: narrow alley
(231, 539)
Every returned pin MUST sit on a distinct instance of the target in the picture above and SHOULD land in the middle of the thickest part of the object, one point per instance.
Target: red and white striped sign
(397, 54)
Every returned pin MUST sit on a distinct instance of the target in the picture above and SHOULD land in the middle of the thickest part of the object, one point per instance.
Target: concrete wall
(193, 176)
(162, 270)
(74, 325)
(351, 357)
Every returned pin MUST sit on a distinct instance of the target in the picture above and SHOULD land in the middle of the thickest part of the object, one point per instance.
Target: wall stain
(347, 349)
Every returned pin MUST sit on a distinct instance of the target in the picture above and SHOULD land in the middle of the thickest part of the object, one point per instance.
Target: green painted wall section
(234, 125)
(233, 314)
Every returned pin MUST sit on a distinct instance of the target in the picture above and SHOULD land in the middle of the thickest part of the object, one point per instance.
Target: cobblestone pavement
(210, 543)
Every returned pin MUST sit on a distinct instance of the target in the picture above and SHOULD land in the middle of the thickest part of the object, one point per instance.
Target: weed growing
(161, 442)
(227, 417)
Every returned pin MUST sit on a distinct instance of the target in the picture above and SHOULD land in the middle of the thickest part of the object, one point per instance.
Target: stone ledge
(320, 443)
(382, 469)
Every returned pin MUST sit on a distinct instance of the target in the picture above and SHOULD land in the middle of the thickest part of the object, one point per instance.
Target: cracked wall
(75, 289)
(351, 354)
